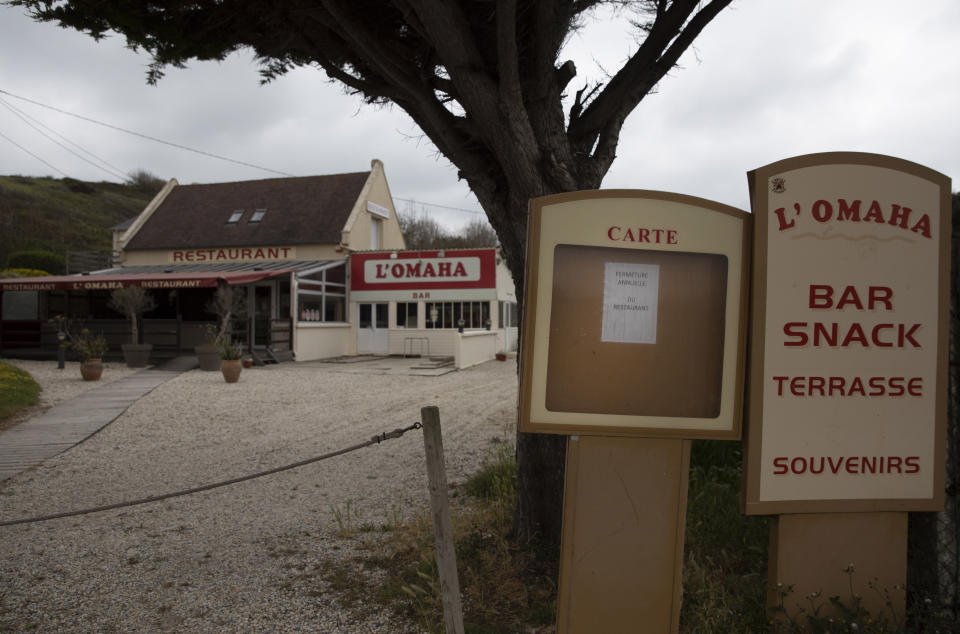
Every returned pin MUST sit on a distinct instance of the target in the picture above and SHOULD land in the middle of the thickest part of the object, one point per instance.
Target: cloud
(765, 81)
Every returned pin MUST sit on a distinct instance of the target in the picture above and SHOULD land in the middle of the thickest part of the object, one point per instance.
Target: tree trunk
(541, 458)
(134, 331)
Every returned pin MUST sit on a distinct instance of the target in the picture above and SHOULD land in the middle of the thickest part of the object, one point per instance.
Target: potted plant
(133, 301)
(225, 304)
(230, 360)
(90, 349)
(207, 352)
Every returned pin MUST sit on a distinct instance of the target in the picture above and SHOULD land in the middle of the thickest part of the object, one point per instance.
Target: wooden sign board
(634, 321)
(849, 331)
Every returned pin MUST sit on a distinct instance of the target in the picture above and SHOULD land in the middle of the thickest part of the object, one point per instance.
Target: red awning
(207, 279)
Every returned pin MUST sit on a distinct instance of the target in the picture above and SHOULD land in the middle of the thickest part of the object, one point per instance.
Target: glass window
(322, 296)
(449, 314)
(79, 305)
(21, 305)
(458, 315)
(508, 314)
(334, 308)
(99, 306)
(406, 314)
(166, 304)
(365, 315)
(383, 319)
(235, 217)
(337, 276)
(257, 216)
(56, 303)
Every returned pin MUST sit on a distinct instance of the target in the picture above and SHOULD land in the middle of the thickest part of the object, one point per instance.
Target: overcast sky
(767, 80)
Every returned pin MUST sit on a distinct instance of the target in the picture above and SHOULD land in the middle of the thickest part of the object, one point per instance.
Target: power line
(145, 136)
(23, 117)
(420, 202)
(51, 166)
(57, 134)
(170, 143)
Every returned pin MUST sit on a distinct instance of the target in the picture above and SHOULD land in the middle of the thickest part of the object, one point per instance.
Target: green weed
(18, 390)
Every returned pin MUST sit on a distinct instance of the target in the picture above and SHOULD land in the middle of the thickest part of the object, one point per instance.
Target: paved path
(73, 421)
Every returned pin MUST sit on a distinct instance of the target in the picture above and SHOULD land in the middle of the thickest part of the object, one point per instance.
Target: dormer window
(235, 217)
(257, 216)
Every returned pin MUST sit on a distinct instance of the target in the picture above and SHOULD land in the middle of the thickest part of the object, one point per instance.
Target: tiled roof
(306, 210)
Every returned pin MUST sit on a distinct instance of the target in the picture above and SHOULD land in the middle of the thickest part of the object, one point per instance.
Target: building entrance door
(262, 315)
(372, 329)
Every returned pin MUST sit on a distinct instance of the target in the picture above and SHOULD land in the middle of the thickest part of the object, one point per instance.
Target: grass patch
(506, 586)
(18, 390)
(725, 554)
(511, 587)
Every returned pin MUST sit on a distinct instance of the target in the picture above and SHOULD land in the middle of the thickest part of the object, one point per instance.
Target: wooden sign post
(848, 380)
(634, 342)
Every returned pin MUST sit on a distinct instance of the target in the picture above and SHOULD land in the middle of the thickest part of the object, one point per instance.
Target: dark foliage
(423, 232)
(52, 263)
(145, 182)
(57, 216)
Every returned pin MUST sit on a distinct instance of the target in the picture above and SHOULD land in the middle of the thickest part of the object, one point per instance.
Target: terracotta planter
(231, 369)
(137, 355)
(91, 369)
(501, 356)
(248, 363)
(209, 357)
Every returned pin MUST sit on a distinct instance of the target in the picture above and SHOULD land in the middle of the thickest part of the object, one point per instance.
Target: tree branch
(670, 35)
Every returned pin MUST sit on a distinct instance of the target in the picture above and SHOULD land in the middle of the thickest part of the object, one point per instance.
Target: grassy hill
(64, 214)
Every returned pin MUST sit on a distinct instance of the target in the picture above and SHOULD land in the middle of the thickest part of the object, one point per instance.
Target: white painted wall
(475, 347)
(442, 341)
(321, 341)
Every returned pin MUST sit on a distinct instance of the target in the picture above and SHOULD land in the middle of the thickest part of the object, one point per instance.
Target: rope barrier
(376, 440)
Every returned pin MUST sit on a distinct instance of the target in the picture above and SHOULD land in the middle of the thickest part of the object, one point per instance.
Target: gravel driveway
(232, 559)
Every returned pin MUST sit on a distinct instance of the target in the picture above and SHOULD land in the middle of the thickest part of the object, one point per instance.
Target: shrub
(52, 263)
(144, 181)
(78, 187)
(23, 273)
(86, 344)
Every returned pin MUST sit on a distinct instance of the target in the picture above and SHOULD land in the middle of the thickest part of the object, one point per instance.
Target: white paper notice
(630, 294)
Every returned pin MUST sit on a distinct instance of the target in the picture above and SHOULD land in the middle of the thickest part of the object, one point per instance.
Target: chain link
(376, 440)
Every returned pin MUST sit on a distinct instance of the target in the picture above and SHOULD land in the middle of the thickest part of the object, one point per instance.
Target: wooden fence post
(442, 524)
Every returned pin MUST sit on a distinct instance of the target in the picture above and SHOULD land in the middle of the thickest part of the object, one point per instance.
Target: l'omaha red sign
(448, 274)
(849, 336)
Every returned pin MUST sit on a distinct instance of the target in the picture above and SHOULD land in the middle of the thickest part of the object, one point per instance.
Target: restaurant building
(288, 244)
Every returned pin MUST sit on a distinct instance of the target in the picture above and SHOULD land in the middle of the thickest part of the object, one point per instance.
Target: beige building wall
(356, 231)
(505, 289)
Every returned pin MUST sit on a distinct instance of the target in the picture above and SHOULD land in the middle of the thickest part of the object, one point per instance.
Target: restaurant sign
(429, 275)
(232, 254)
(102, 285)
(111, 281)
(849, 335)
